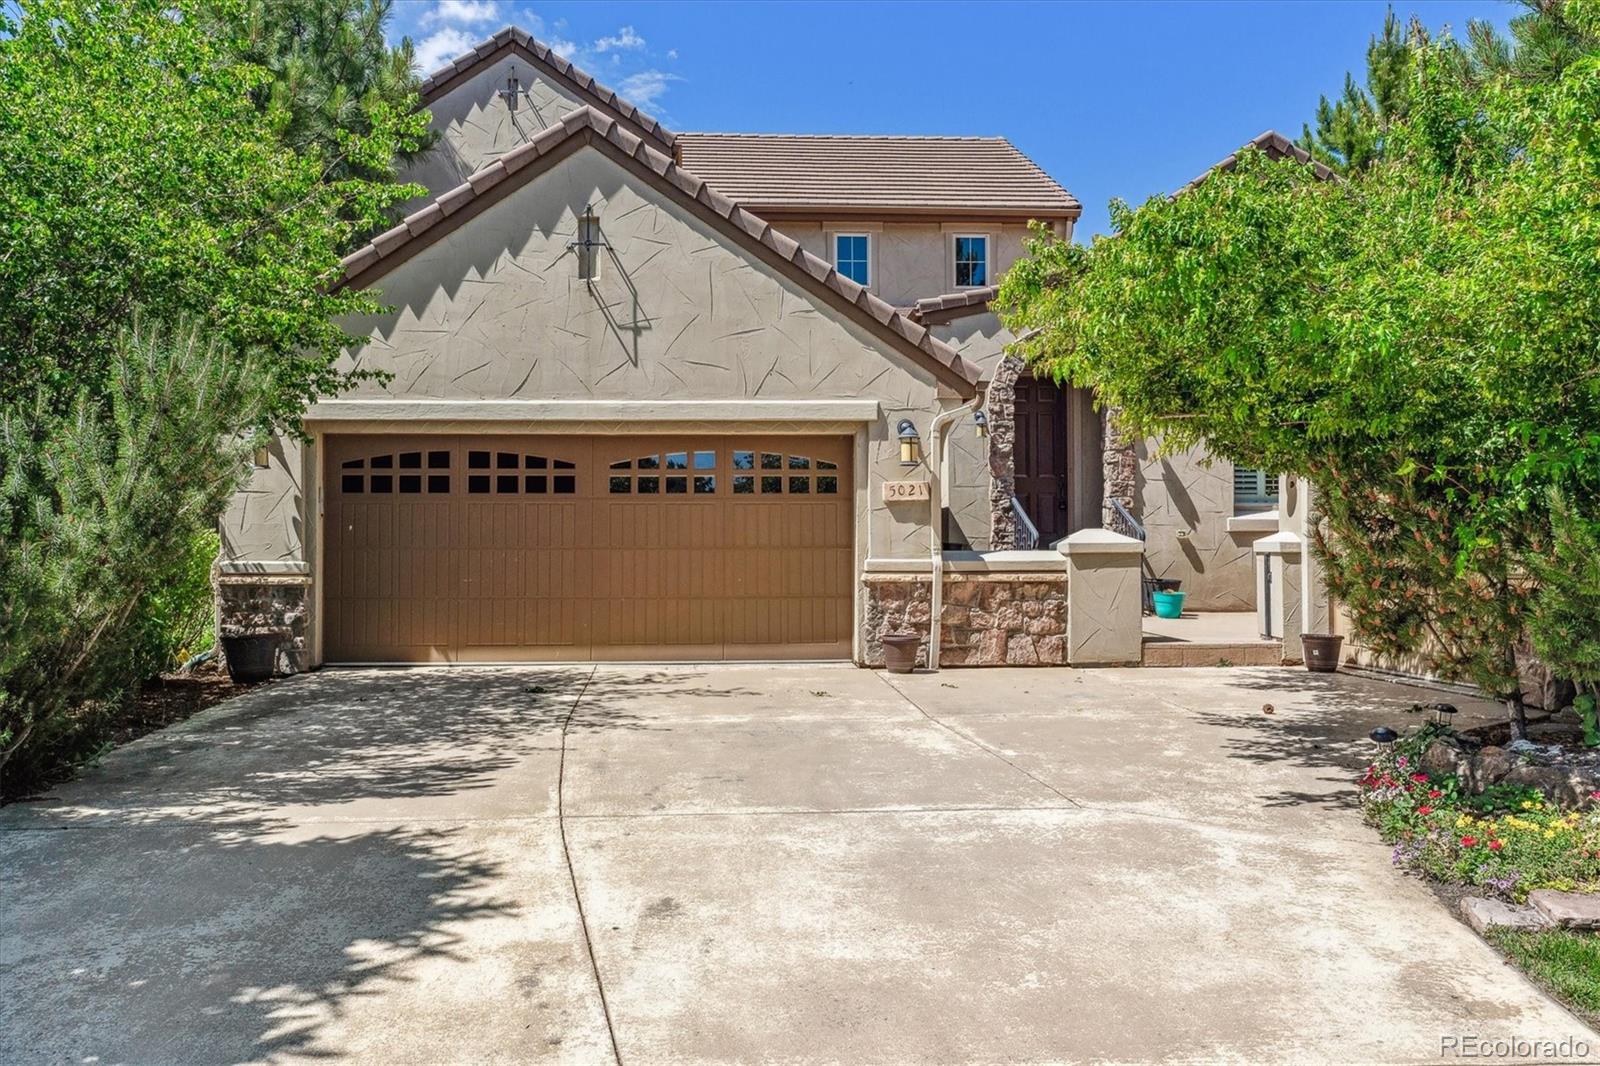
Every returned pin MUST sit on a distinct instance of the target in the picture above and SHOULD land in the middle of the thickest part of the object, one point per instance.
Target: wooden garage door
(491, 549)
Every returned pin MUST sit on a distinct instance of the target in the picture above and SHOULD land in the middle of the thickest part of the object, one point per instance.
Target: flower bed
(1508, 839)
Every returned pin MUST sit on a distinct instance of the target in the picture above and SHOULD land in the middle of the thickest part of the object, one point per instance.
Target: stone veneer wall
(255, 603)
(993, 619)
(1001, 406)
(1119, 466)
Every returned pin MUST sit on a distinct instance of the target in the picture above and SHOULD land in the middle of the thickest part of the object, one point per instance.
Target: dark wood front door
(1041, 455)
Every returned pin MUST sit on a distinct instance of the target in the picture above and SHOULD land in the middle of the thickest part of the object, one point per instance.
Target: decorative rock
(1489, 767)
(1552, 781)
(1484, 914)
(1443, 758)
(1570, 910)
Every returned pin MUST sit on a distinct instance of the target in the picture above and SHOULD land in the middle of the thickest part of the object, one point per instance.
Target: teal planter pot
(1168, 604)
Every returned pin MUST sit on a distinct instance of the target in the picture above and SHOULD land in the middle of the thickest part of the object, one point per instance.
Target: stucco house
(662, 395)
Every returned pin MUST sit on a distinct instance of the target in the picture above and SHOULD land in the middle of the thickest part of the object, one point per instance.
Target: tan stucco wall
(911, 260)
(476, 127)
(495, 310)
(1185, 504)
(981, 339)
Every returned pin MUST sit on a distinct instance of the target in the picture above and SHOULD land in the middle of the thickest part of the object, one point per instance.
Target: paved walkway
(789, 863)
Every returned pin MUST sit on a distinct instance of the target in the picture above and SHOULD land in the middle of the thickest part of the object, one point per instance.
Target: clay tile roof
(1276, 146)
(952, 305)
(977, 176)
(493, 182)
(583, 84)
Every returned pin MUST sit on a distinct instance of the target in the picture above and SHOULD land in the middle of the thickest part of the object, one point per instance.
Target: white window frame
(833, 243)
(988, 259)
(1265, 500)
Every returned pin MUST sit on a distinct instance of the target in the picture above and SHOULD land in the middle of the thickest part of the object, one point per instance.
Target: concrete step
(1167, 652)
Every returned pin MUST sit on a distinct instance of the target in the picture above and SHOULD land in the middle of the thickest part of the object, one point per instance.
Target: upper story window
(850, 257)
(972, 261)
(1254, 490)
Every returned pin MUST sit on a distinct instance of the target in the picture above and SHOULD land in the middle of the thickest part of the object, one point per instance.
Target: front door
(1041, 455)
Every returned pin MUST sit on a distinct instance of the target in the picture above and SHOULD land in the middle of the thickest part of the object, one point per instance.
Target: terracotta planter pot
(900, 652)
(1322, 652)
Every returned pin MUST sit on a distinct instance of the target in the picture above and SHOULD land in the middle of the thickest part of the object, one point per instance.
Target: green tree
(333, 76)
(135, 169)
(100, 506)
(1350, 129)
(1418, 340)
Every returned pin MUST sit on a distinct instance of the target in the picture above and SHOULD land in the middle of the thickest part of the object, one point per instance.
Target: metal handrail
(1134, 528)
(1027, 532)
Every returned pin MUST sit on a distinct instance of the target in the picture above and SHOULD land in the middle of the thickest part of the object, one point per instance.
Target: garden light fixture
(1384, 737)
(910, 443)
(1443, 713)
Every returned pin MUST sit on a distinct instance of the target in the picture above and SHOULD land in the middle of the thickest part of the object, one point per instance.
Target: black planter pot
(251, 657)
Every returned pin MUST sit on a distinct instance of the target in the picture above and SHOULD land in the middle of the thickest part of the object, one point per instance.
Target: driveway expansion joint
(572, 873)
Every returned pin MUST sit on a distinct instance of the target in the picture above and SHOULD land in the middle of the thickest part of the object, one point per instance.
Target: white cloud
(672, 53)
(564, 48)
(646, 87)
(624, 38)
(441, 46)
(462, 13)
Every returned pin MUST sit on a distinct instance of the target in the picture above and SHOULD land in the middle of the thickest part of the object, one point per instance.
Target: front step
(1160, 652)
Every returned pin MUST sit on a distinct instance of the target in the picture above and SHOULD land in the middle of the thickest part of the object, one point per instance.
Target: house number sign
(896, 491)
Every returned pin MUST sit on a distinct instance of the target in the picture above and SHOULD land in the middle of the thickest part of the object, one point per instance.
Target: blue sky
(1112, 99)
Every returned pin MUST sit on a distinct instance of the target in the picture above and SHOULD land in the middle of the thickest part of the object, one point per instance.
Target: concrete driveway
(797, 863)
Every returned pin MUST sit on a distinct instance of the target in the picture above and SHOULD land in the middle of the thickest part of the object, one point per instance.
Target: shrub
(103, 508)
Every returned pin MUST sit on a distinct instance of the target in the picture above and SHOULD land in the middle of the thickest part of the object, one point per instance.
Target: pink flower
(1419, 778)
(1434, 793)
(1468, 842)
(1496, 845)
(1424, 809)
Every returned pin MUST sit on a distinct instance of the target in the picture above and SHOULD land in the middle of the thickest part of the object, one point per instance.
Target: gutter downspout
(936, 523)
(936, 511)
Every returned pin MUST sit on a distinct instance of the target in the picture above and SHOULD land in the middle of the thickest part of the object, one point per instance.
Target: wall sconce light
(981, 420)
(512, 90)
(910, 443)
(588, 244)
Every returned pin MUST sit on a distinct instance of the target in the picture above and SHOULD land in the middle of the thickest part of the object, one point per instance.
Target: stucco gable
(814, 278)
(567, 79)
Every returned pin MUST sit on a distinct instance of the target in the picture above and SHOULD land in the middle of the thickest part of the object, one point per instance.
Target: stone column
(1001, 406)
(1119, 469)
(1104, 621)
(1281, 554)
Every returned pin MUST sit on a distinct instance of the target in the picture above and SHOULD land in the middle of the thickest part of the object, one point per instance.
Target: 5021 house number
(896, 491)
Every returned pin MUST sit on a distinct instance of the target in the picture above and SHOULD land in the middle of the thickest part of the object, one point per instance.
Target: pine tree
(1350, 130)
(332, 70)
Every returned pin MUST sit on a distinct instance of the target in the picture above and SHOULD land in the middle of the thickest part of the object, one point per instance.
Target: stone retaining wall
(989, 619)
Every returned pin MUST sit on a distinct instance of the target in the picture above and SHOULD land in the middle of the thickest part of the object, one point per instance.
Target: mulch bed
(171, 698)
(163, 701)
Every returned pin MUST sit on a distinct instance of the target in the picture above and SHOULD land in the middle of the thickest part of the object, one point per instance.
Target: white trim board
(592, 411)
